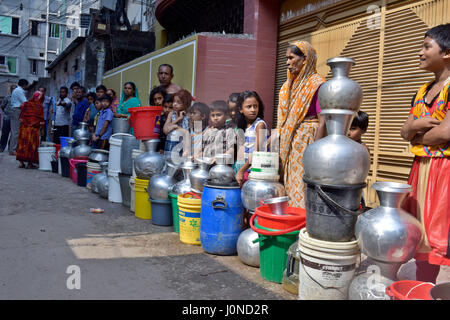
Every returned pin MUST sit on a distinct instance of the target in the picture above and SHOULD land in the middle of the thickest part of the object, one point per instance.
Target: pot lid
(276, 200)
(223, 185)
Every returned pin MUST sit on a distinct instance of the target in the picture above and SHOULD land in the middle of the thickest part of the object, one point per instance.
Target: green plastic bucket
(273, 253)
(175, 212)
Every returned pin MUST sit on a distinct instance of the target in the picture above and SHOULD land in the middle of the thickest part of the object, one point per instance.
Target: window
(75, 65)
(34, 27)
(69, 34)
(65, 66)
(9, 25)
(54, 30)
(54, 75)
(8, 64)
(33, 66)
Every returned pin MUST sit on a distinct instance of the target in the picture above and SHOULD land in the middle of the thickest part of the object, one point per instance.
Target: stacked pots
(82, 136)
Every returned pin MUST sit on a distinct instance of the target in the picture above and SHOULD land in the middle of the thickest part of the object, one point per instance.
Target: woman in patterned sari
(31, 122)
(299, 120)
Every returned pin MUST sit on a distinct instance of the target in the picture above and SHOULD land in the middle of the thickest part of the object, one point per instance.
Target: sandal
(21, 166)
(31, 166)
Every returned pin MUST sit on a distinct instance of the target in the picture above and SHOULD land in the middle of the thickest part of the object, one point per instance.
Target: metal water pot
(248, 251)
(387, 234)
(255, 191)
(83, 149)
(71, 146)
(221, 173)
(340, 92)
(184, 185)
(65, 152)
(159, 185)
(149, 163)
(100, 182)
(120, 125)
(99, 155)
(129, 143)
(82, 132)
(173, 148)
(199, 176)
(336, 159)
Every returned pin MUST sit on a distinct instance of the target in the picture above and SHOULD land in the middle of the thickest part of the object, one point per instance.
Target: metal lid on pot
(223, 185)
(276, 200)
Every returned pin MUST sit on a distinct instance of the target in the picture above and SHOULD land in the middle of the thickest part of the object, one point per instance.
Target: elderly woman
(299, 119)
(31, 124)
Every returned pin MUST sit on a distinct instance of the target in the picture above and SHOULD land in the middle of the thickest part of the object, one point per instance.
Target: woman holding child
(299, 120)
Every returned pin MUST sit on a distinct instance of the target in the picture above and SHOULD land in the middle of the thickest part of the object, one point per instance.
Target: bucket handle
(221, 200)
(389, 292)
(336, 205)
(273, 233)
(289, 265)
(193, 194)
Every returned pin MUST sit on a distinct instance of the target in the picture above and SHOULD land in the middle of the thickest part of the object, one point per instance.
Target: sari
(31, 120)
(429, 200)
(296, 131)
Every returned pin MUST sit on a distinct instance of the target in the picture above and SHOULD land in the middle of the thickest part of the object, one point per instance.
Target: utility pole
(100, 61)
(46, 38)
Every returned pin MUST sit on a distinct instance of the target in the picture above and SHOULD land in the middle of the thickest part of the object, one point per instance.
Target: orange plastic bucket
(145, 122)
(409, 290)
(293, 217)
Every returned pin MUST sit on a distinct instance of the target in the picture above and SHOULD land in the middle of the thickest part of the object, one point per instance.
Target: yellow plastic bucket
(142, 208)
(189, 207)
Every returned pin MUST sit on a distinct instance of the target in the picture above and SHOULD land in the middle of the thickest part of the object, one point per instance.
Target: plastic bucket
(46, 155)
(65, 167)
(222, 216)
(132, 191)
(410, 290)
(59, 166)
(326, 269)
(63, 141)
(115, 144)
(189, 208)
(162, 212)
(294, 218)
(54, 164)
(175, 213)
(125, 189)
(81, 174)
(142, 207)
(114, 193)
(93, 168)
(272, 250)
(73, 169)
(143, 120)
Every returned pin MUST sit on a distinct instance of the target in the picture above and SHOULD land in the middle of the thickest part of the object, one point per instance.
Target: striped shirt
(250, 139)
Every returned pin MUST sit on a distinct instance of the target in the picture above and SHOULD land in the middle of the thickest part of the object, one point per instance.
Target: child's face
(90, 100)
(250, 108)
(355, 133)
(100, 93)
(195, 116)
(218, 118)
(431, 57)
(158, 99)
(167, 107)
(98, 104)
(232, 107)
(105, 104)
(178, 105)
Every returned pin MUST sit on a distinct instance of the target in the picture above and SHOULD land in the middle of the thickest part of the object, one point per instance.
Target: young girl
(249, 118)
(157, 96)
(428, 130)
(177, 118)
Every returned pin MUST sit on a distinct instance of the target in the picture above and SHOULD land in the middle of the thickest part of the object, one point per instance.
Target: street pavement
(50, 243)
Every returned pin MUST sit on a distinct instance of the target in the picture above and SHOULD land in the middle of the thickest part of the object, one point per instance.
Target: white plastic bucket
(59, 166)
(132, 184)
(46, 155)
(114, 193)
(134, 154)
(265, 162)
(93, 168)
(115, 143)
(326, 269)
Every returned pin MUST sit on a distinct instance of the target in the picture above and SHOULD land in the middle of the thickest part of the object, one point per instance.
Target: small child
(250, 119)
(157, 96)
(103, 129)
(198, 123)
(167, 108)
(232, 104)
(359, 127)
(220, 136)
(92, 111)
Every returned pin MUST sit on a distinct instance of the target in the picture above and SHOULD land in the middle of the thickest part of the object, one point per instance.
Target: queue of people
(237, 127)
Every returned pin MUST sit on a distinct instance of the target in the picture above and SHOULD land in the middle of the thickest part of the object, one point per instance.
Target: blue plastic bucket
(222, 219)
(64, 141)
(161, 212)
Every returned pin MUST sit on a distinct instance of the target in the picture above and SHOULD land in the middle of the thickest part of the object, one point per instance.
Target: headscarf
(295, 98)
(32, 111)
(131, 102)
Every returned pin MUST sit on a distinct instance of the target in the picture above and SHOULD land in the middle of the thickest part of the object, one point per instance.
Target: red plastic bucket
(57, 148)
(294, 216)
(409, 290)
(145, 122)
